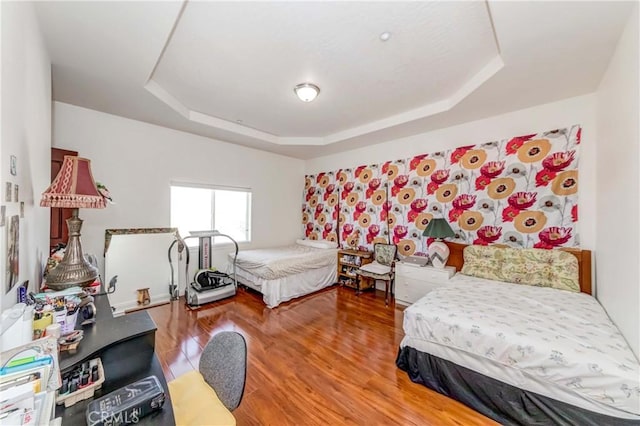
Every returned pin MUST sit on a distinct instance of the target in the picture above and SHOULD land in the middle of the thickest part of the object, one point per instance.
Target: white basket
(87, 392)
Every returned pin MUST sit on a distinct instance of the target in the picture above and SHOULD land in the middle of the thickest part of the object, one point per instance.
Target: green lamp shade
(438, 228)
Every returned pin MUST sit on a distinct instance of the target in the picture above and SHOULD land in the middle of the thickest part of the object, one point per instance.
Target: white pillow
(318, 244)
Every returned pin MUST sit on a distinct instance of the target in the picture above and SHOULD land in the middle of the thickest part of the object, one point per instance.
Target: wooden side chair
(382, 268)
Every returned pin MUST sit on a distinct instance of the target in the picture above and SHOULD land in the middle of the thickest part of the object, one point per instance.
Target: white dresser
(413, 282)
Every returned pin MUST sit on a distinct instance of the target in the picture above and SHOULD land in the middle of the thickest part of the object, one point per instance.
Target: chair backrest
(223, 366)
(385, 253)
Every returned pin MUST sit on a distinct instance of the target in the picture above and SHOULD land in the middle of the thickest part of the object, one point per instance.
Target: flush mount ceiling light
(306, 91)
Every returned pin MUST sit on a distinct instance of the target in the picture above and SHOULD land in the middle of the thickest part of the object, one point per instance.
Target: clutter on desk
(80, 383)
(60, 307)
(29, 376)
(128, 404)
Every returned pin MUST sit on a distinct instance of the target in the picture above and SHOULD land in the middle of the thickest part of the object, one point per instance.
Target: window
(203, 208)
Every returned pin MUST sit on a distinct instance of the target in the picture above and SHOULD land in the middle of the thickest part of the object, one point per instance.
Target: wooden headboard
(584, 263)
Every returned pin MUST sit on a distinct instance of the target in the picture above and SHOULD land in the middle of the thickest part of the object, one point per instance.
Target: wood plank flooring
(324, 359)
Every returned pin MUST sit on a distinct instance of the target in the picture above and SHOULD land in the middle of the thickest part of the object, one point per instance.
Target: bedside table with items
(413, 282)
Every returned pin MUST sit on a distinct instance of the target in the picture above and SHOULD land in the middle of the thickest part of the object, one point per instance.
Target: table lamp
(438, 251)
(73, 188)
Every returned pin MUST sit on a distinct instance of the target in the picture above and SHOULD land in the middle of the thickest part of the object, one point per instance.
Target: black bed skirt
(499, 401)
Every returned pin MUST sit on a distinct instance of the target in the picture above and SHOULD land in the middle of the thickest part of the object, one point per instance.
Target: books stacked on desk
(29, 376)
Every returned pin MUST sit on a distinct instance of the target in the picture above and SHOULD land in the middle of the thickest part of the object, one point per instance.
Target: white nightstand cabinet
(413, 282)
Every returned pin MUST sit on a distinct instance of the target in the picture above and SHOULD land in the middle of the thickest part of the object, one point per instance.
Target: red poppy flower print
(310, 193)
(347, 229)
(574, 213)
(458, 153)
(555, 236)
(383, 215)
(490, 234)
(482, 182)
(542, 245)
(395, 190)
(348, 187)
(385, 167)
(400, 231)
(412, 216)
(522, 200)
(492, 169)
(368, 193)
(464, 201)
(454, 214)
(386, 206)
(416, 160)
(419, 205)
(319, 209)
(356, 215)
(401, 181)
(334, 215)
(375, 183)
(514, 144)
(558, 161)
(480, 242)
(359, 170)
(579, 136)
(440, 176)
(432, 188)
(361, 206)
(544, 176)
(320, 177)
(509, 213)
(373, 230)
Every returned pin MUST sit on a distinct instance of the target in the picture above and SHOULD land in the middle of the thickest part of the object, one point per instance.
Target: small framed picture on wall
(3, 213)
(13, 165)
(15, 193)
(21, 209)
(7, 192)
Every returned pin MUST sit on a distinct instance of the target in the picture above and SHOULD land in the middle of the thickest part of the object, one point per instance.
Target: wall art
(13, 253)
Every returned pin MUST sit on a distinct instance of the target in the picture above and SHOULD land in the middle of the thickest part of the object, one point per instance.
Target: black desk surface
(111, 335)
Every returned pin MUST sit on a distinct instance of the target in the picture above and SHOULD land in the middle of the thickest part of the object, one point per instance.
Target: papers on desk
(29, 376)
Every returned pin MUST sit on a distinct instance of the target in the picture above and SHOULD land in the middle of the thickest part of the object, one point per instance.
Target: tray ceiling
(226, 70)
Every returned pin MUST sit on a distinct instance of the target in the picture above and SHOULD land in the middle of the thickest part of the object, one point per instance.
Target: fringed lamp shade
(73, 188)
(438, 251)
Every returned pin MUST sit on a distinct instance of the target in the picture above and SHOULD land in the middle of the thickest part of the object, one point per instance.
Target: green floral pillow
(537, 267)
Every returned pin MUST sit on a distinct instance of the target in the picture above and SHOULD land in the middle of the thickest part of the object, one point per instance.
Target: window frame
(213, 187)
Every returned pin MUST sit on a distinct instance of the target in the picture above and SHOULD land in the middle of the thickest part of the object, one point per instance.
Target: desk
(126, 347)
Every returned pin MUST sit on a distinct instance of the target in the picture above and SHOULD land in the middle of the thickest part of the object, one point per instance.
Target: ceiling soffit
(439, 53)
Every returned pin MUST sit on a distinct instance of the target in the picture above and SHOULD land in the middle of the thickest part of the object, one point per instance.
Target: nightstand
(413, 282)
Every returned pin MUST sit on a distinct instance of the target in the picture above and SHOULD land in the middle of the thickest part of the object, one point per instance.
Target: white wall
(617, 209)
(578, 110)
(137, 161)
(26, 133)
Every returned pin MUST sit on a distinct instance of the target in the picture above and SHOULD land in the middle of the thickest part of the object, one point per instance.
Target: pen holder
(81, 394)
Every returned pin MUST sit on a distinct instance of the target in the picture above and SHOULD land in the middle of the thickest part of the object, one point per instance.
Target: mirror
(139, 257)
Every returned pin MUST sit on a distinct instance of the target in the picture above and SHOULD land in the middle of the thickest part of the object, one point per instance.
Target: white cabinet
(413, 282)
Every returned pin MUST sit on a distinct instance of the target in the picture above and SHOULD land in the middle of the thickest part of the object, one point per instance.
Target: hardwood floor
(325, 359)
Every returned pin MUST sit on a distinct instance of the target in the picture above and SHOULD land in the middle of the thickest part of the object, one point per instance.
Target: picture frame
(3, 214)
(8, 191)
(13, 165)
(22, 209)
(13, 253)
(16, 193)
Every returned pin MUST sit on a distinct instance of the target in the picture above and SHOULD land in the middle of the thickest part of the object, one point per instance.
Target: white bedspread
(279, 262)
(557, 337)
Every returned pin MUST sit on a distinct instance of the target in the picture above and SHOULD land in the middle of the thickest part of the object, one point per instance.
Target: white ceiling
(227, 69)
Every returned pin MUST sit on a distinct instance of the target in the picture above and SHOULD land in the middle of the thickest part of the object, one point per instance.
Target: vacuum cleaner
(208, 285)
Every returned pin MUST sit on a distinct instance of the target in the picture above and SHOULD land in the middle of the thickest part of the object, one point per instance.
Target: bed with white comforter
(284, 273)
(552, 342)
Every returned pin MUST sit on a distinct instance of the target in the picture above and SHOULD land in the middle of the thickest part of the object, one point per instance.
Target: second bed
(284, 273)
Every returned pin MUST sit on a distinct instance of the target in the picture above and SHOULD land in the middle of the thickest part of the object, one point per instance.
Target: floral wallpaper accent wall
(320, 207)
(363, 211)
(518, 192)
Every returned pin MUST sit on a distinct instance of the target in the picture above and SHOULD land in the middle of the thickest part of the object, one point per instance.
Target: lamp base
(73, 270)
(439, 254)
